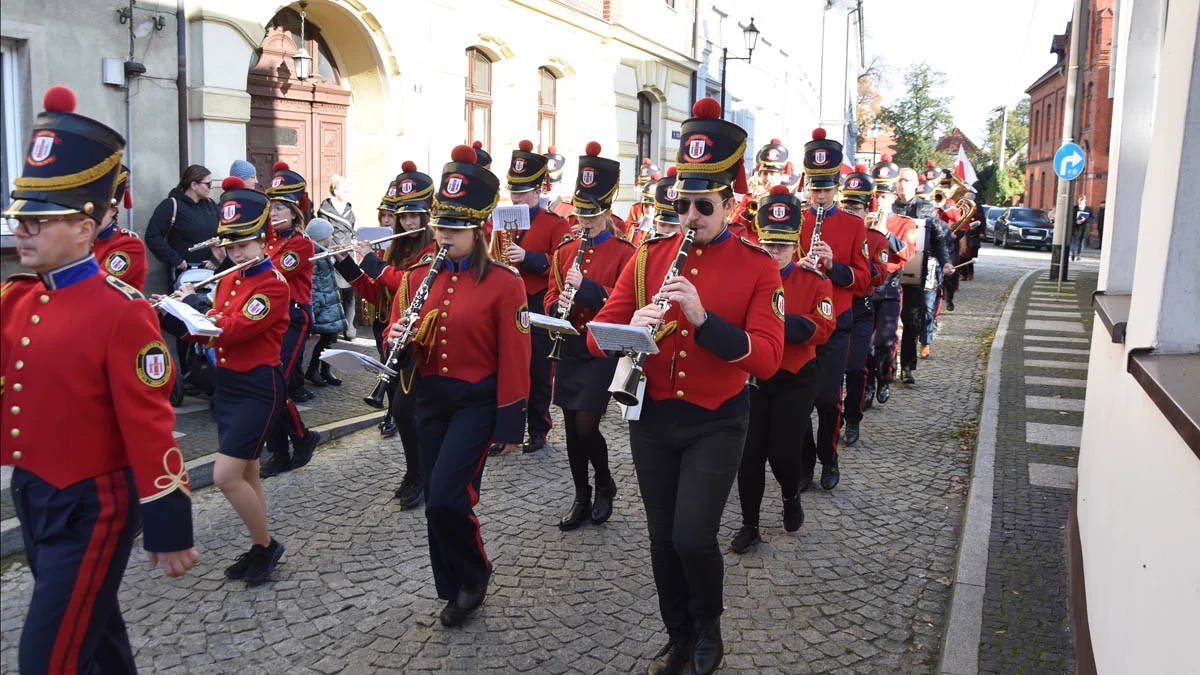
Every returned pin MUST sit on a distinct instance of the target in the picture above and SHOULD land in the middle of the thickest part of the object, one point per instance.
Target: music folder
(195, 322)
(552, 324)
(623, 339)
(347, 361)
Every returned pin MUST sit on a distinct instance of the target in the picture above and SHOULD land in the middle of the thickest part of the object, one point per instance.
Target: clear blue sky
(976, 43)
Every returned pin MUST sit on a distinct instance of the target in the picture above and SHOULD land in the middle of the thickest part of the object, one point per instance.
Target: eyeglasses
(704, 206)
(32, 227)
(205, 183)
(853, 207)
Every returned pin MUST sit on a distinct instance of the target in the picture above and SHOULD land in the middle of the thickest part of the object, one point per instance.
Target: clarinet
(816, 239)
(568, 292)
(397, 345)
(627, 394)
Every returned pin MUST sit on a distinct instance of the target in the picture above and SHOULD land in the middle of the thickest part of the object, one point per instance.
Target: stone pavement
(863, 587)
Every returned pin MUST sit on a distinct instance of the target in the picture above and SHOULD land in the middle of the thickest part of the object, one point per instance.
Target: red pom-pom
(232, 182)
(672, 172)
(525, 146)
(886, 158)
(931, 164)
(280, 166)
(656, 176)
(59, 99)
(780, 190)
(818, 134)
(552, 150)
(707, 108)
(593, 149)
(408, 166)
(776, 141)
(464, 153)
(478, 145)
(861, 168)
(645, 161)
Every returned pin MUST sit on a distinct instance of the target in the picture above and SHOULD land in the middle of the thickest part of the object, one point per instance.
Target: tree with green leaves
(998, 187)
(920, 119)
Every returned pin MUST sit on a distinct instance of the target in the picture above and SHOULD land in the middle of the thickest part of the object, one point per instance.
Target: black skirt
(581, 381)
(246, 405)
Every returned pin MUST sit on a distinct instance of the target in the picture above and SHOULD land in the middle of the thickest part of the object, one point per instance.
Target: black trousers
(541, 376)
(779, 408)
(881, 360)
(856, 358)
(912, 317)
(950, 285)
(685, 473)
(831, 364)
(402, 403)
(290, 426)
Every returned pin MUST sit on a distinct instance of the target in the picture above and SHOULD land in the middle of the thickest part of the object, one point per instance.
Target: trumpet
(207, 243)
(413, 315)
(568, 292)
(349, 248)
(209, 281)
(628, 393)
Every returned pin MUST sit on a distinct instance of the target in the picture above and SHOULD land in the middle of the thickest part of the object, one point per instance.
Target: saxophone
(413, 314)
(628, 393)
(568, 292)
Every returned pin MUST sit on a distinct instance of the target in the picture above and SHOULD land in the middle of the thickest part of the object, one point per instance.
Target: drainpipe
(181, 84)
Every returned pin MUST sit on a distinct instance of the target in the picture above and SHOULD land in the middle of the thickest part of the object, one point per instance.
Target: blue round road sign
(1069, 161)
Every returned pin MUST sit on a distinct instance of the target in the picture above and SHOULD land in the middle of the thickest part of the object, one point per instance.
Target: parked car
(990, 214)
(1024, 227)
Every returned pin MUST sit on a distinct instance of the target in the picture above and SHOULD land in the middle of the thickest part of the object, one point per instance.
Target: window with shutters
(479, 98)
(547, 108)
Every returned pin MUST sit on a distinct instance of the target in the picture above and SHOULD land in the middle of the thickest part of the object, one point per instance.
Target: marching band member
(857, 192)
(292, 253)
(844, 255)
(530, 251)
(771, 168)
(473, 349)
(638, 230)
(911, 201)
(724, 321)
(666, 219)
(119, 251)
(590, 265)
(84, 488)
(251, 309)
(776, 403)
(902, 241)
(550, 199)
(647, 173)
(405, 208)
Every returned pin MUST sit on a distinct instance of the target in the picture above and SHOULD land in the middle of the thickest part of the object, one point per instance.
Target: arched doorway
(301, 123)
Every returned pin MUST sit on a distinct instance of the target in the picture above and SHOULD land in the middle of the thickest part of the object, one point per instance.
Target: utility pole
(1003, 137)
(1071, 109)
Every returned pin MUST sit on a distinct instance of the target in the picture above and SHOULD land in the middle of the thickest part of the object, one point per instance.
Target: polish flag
(846, 169)
(963, 168)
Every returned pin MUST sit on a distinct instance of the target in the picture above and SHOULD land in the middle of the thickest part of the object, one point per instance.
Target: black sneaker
(263, 560)
(410, 494)
(278, 464)
(303, 453)
(746, 539)
(238, 569)
(793, 513)
(906, 376)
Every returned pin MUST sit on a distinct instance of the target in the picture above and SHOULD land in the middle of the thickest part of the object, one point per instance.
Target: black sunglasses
(704, 206)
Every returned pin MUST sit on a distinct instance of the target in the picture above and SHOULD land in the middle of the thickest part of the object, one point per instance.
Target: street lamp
(302, 60)
(875, 131)
(750, 34)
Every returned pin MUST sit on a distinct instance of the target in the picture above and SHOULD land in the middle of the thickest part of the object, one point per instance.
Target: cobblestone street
(863, 587)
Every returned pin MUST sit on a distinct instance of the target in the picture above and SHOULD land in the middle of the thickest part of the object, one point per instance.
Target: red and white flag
(963, 168)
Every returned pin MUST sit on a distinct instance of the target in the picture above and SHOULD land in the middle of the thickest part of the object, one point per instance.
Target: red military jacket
(85, 383)
(808, 320)
(252, 309)
(847, 236)
(372, 275)
(546, 231)
(629, 226)
(471, 330)
(741, 222)
(291, 253)
(604, 258)
(561, 207)
(122, 254)
(879, 247)
(738, 284)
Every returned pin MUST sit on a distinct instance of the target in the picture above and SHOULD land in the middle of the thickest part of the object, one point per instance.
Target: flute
(210, 281)
(347, 248)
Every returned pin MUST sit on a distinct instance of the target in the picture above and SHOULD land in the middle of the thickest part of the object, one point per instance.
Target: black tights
(402, 408)
(586, 445)
(323, 341)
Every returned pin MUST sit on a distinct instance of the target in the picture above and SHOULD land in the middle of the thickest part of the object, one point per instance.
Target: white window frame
(10, 95)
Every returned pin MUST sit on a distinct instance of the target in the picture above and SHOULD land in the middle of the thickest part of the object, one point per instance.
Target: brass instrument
(958, 194)
(568, 292)
(351, 247)
(628, 393)
(207, 243)
(210, 281)
(413, 315)
(757, 190)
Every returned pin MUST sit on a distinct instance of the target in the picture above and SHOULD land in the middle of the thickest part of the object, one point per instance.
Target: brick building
(1048, 100)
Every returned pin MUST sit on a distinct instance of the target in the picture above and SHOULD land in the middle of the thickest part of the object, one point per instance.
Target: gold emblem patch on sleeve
(866, 250)
(883, 256)
(826, 308)
(289, 261)
(117, 263)
(154, 364)
(257, 307)
(779, 303)
(523, 318)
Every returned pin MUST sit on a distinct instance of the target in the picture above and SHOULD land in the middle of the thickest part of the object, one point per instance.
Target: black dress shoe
(746, 539)
(830, 475)
(278, 464)
(314, 376)
(851, 433)
(602, 509)
(534, 444)
(884, 393)
(304, 451)
(387, 428)
(580, 511)
(468, 600)
(709, 651)
(302, 396)
(805, 481)
(496, 449)
(410, 494)
(949, 305)
(671, 659)
(868, 398)
(328, 376)
(906, 376)
(793, 512)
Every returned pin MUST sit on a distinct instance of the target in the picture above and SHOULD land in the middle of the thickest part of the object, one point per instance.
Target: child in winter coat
(329, 319)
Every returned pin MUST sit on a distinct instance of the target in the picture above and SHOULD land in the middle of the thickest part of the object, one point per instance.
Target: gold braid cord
(244, 228)
(714, 167)
(424, 336)
(639, 276)
(70, 181)
(526, 180)
(415, 196)
(441, 210)
(554, 266)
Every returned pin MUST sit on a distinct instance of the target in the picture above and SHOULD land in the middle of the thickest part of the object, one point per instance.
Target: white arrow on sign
(1069, 161)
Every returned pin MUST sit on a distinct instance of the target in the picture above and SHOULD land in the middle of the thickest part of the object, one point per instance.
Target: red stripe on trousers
(114, 509)
(475, 500)
(298, 349)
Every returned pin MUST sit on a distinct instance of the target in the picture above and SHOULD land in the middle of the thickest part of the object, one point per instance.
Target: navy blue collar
(783, 273)
(599, 239)
(71, 273)
(828, 212)
(460, 266)
(108, 231)
(720, 237)
(257, 269)
(286, 233)
(534, 211)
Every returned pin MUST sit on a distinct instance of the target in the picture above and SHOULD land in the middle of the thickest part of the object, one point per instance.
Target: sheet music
(196, 323)
(617, 337)
(552, 323)
(347, 361)
(515, 217)
(367, 233)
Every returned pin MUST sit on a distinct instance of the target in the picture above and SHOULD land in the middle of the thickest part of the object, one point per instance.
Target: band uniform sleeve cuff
(348, 268)
(371, 265)
(535, 263)
(797, 329)
(510, 423)
(841, 275)
(167, 523)
(591, 295)
(725, 340)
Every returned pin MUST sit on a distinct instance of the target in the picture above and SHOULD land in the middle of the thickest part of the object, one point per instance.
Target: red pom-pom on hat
(818, 134)
(672, 172)
(408, 166)
(931, 164)
(645, 160)
(707, 108)
(656, 176)
(861, 168)
(59, 99)
(525, 146)
(280, 166)
(552, 150)
(478, 145)
(776, 141)
(592, 149)
(464, 153)
(885, 158)
(780, 190)
(232, 182)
